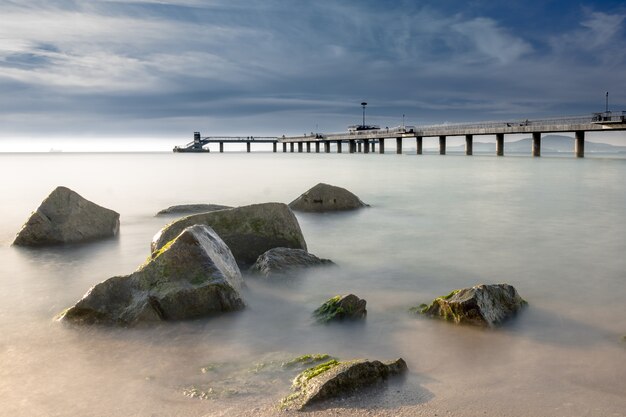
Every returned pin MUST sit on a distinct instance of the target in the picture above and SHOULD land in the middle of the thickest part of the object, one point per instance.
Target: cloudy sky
(138, 69)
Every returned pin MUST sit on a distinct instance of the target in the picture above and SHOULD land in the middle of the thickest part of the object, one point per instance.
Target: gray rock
(339, 308)
(283, 260)
(249, 231)
(191, 209)
(481, 305)
(324, 197)
(334, 379)
(194, 275)
(66, 217)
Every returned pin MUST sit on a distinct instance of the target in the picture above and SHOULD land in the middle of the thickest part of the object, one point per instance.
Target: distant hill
(549, 143)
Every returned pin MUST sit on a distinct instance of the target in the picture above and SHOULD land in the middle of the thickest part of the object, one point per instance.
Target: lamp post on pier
(363, 104)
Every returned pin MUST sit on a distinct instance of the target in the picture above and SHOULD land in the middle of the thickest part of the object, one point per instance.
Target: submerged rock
(66, 217)
(339, 308)
(282, 260)
(249, 231)
(194, 275)
(307, 360)
(481, 305)
(335, 379)
(191, 209)
(324, 197)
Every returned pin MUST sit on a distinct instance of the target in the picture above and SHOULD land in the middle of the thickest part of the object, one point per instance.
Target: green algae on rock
(335, 379)
(248, 231)
(341, 307)
(306, 360)
(487, 305)
(195, 275)
(325, 197)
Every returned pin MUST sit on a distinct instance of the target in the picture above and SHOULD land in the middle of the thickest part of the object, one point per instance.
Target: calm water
(555, 228)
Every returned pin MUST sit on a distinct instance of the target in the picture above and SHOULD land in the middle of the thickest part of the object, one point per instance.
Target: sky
(131, 71)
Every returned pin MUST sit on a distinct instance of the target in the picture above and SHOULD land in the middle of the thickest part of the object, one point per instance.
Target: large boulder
(279, 261)
(486, 305)
(194, 275)
(335, 379)
(324, 197)
(191, 209)
(249, 231)
(66, 217)
(347, 307)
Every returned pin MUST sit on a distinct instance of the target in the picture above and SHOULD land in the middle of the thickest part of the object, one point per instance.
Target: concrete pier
(338, 146)
(442, 145)
(579, 147)
(308, 147)
(536, 143)
(221, 147)
(317, 147)
(399, 146)
(274, 146)
(373, 144)
(358, 146)
(300, 147)
(352, 146)
(291, 145)
(419, 143)
(366, 146)
(284, 146)
(248, 146)
(500, 144)
(381, 145)
(327, 146)
(469, 144)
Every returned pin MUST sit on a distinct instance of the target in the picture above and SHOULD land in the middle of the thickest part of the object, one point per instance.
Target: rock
(339, 308)
(481, 305)
(282, 260)
(191, 209)
(66, 217)
(324, 197)
(335, 379)
(307, 360)
(194, 275)
(249, 231)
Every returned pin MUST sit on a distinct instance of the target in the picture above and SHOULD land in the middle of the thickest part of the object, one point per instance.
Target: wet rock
(249, 231)
(66, 217)
(324, 197)
(481, 305)
(339, 308)
(283, 260)
(335, 379)
(191, 209)
(194, 275)
(307, 360)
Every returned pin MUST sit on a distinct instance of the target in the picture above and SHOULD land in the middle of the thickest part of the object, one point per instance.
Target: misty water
(555, 228)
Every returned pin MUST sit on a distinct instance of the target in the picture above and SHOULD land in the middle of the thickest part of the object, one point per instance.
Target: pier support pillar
(500, 144)
(366, 146)
(338, 146)
(359, 147)
(381, 147)
(291, 147)
(221, 147)
(247, 146)
(284, 146)
(536, 143)
(579, 147)
(442, 145)
(308, 147)
(327, 146)
(374, 145)
(317, 147)
(469, 144)
(418, 143)
(399, 146)
(274, 146)
(352, 146)
(300, 147)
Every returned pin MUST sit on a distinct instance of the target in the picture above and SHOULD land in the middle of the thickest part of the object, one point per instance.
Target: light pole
(363, 104)
(607, 102)
(403, 121)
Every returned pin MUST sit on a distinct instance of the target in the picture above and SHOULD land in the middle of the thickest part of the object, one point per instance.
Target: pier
(366, 139)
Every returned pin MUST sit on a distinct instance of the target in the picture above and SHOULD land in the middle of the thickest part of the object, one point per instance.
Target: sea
(554, 227)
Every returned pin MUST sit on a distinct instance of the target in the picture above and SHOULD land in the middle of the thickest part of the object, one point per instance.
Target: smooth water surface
(555, 228)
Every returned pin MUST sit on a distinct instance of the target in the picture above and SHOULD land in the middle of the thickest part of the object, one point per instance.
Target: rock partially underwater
(66, 217)
(194, 275)
(249, 231)
(191, 209)
(325, 197)
(278, 261)
(481, 305)
(335, 379)
(347, 307)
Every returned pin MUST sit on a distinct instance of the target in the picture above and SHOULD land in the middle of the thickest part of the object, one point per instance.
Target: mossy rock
(334, 379)
(191, 209)
(281, 261)
(307, 360)
(325, 197)
(347, 307)
(248, 231)
(194, 275)
(482, 305)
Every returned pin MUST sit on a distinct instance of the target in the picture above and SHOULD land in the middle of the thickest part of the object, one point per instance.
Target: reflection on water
(552, 227)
